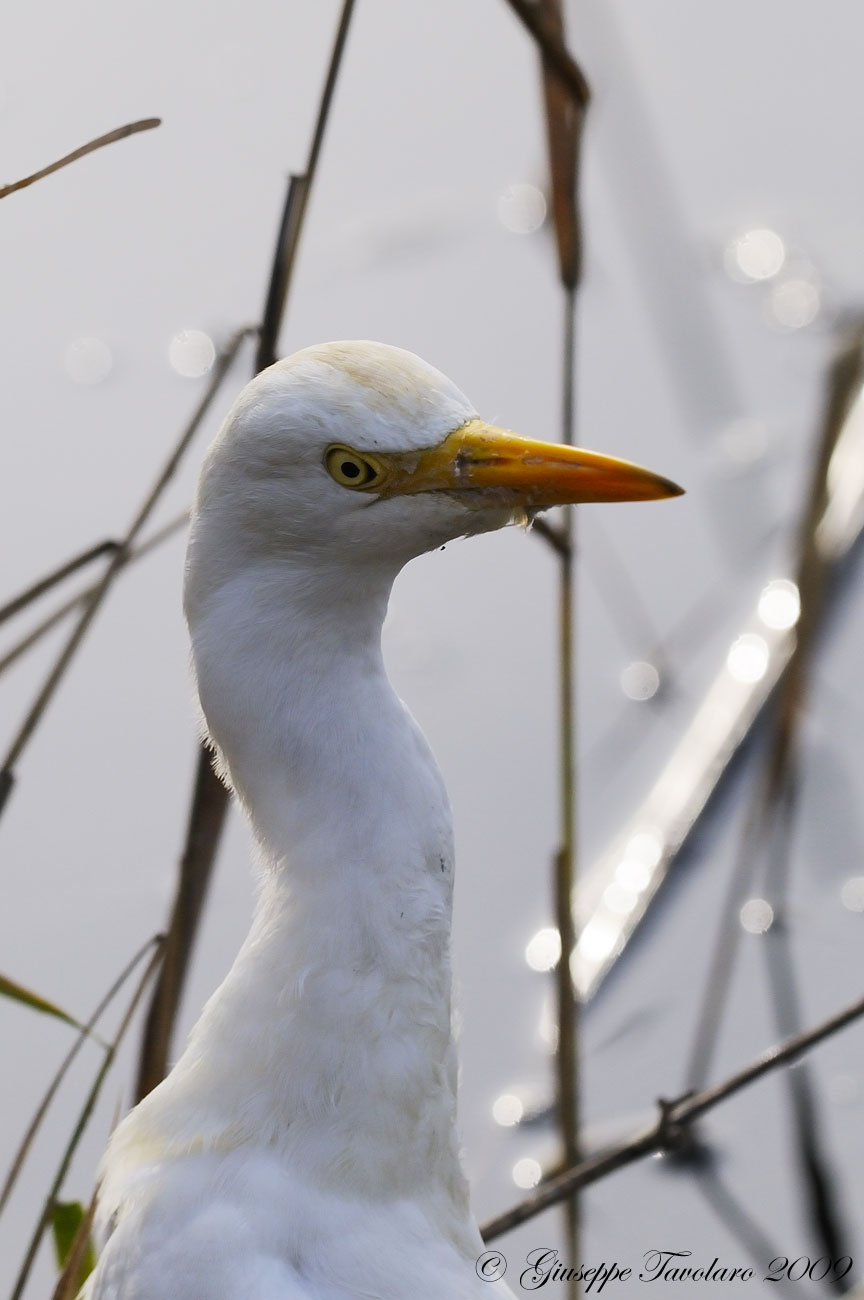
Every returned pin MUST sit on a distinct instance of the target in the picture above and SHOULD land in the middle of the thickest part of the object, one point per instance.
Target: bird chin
(492, 508)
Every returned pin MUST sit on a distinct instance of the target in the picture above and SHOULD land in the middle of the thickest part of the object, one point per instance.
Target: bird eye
(352, 470)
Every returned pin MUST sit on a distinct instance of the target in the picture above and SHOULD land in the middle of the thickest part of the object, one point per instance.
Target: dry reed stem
(564, 122)
(553, 49)
(119, 133)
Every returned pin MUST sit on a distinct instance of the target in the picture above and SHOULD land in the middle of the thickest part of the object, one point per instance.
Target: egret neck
(330, 1039)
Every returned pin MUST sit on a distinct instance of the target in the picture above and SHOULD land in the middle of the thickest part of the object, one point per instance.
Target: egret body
(305, 1147)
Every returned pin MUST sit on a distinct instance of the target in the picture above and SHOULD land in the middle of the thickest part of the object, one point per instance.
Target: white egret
(304, 1147)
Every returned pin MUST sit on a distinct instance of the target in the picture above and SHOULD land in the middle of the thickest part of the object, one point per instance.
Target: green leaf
(18, 993)
(66, 1220)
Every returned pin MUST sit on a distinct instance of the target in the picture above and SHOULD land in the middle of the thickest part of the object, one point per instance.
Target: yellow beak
(521, 471)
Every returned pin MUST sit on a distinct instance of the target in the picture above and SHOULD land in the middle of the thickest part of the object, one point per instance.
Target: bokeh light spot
(748, 657)
(598, 939)
(852, 894)
(743, 443)
(522, 209)
(795, 303)
(507, 1110)
(527, 1172)
(646, 846)
(756, 255)
(619, 899)
(543, 951)
(780, 604)
(633, 874)
(191, 353)
(640, 680)
(756, 916)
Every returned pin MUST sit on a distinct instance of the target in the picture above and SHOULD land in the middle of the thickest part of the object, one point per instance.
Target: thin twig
(75, 602)
(280, 272)
(37, 589)
(119, 133)
(86, 1031)
(210, 797)
(553, 49)
(296, 200)
(667, 1133)
(61, 664)
(83, 1118)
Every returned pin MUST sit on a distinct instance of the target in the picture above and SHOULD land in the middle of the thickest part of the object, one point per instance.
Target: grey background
(708, 119)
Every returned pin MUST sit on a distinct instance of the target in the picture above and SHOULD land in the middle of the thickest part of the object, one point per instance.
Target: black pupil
(350, 469)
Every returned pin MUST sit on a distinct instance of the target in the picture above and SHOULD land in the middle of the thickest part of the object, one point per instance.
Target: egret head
(360, 452)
